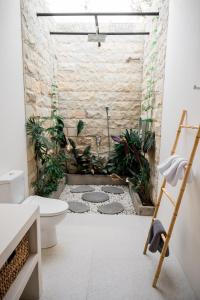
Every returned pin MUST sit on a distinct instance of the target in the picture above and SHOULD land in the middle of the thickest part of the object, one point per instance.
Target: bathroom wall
(182, 73)
(154, 70)
(39, 66)
(12, 113)
(90, 78)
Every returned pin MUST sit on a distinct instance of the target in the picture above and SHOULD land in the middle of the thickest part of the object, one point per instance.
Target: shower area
(103, 84)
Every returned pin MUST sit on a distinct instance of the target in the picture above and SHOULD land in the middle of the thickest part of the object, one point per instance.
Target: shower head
(99, 38)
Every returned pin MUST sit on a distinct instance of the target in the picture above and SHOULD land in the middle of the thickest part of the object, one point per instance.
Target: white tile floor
(100, 258)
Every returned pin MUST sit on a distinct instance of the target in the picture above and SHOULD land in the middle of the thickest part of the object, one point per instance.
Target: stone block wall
(91, 78)
(39, 62)
(153, 78)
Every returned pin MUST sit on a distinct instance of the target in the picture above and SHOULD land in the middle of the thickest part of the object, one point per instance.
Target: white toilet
(52, 211)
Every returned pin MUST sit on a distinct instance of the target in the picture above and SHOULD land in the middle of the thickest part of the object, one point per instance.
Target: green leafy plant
(80, 127)
(79, 159)
(56, 132)
(83, 161)
(49, 147)
(129, 159)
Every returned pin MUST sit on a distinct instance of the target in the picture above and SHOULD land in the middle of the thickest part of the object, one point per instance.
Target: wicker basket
(13, 265)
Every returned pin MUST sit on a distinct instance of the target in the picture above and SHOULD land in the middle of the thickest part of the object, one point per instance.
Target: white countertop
(15, 220)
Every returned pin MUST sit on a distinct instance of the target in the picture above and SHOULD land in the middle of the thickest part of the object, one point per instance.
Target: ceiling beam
(98, 14)
(103, 33)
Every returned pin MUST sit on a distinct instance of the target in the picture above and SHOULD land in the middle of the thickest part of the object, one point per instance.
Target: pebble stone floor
(123, 199)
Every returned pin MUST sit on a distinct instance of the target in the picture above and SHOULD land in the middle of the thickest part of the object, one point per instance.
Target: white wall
(12, 112)
(182, 72)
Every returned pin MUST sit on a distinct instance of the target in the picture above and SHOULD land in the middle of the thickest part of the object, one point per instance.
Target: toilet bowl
(52, 212)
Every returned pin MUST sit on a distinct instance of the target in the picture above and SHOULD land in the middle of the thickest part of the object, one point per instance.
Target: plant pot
(142, 210)
(56, 194)
(89, 179)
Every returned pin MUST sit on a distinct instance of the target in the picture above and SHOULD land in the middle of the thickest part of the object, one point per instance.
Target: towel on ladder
(173, 169)
(154, 238)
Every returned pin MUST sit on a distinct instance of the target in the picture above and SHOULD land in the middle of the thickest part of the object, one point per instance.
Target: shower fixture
(98, 36)
(98, 143)
(108, 128)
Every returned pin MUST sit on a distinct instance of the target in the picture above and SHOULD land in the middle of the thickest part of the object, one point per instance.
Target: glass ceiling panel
(120, 19)
(91, 6)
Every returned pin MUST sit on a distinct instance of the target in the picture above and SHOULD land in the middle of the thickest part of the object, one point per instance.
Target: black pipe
(98, 14)
(108, 129)
(97, 28)
(103, 33)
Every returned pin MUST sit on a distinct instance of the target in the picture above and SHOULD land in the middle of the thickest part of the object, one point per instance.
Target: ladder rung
(175, 202)
(189, 126)
(169, 196)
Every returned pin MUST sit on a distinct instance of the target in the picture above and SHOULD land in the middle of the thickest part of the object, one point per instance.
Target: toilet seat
(48, 207)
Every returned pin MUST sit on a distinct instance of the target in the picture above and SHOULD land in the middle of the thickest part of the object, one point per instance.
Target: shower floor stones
(111, 208)
(112, 190)
(124, 199)
(78, 207)
(82, 189)
(95, 197)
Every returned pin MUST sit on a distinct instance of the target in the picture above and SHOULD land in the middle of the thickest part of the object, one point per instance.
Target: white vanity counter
(15, 221)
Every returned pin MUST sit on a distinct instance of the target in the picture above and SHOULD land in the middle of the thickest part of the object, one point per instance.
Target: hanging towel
(171, 173)
(167, 163)
(173, 169)
(180, 171)
(154, 238)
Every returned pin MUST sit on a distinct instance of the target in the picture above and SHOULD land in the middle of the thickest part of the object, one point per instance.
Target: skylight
(92, 6)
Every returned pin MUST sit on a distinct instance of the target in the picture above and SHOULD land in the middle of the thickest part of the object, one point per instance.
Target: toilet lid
(48, 207)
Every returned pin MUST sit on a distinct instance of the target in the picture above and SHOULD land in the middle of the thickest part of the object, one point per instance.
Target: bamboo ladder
(176, 203)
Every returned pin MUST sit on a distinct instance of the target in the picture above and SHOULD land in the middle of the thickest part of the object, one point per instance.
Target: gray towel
(154, 239)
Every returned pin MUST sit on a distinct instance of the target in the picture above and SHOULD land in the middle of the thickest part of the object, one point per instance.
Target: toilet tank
(12, 187)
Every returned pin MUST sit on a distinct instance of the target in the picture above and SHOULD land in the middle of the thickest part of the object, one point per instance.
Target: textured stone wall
(90, 78)
(153, 78)
(38, 66)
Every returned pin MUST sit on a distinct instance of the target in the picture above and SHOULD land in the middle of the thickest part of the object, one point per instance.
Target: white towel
(167, 163)
(179, 173)
(173, 169)
(171, 174)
